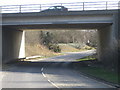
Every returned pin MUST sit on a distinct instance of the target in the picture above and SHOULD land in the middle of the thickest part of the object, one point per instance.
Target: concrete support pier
(105, 45)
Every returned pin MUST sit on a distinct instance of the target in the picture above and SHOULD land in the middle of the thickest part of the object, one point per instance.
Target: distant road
(68, 57)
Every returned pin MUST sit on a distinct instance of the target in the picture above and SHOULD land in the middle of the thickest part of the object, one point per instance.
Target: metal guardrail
(76, 6)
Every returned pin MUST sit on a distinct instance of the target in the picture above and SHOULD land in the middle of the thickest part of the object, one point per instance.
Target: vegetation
(100, 73)
(49, 42)
(86, 47)
(39, 50)
(68, 48)
(86, 59)
(54, 48)
(79, 37)
(93, 69)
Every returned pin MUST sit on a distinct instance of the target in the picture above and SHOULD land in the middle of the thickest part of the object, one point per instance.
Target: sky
(21, 2)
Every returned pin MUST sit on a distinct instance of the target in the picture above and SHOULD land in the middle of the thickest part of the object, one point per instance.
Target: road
(67, 57)
(49, 75)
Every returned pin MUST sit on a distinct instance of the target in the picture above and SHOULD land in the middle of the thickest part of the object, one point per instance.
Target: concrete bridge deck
(71, 19)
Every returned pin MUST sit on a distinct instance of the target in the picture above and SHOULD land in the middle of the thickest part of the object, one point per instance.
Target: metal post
(61, 4)
(106, 5)
(40, 7)
(20, 9)
(0, 9)
(83, 6)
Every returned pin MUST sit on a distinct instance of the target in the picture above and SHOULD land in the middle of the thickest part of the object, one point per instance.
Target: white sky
(20, 2)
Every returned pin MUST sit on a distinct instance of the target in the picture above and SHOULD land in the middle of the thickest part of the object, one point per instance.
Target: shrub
(54, 47)
(87, 47)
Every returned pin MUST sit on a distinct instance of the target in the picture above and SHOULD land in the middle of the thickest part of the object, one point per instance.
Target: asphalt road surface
(67, 57)
(50, 75)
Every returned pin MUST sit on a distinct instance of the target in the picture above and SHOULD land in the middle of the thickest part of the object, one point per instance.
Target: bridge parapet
(76, 6)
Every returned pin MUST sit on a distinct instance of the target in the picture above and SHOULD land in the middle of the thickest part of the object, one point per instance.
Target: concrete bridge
(105, 21)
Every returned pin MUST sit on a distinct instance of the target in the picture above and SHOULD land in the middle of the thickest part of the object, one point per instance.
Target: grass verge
(98, 72)
(101, 73)
(88, 58)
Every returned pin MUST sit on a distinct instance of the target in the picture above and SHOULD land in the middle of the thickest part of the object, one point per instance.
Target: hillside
(67, 48)
(37, 49)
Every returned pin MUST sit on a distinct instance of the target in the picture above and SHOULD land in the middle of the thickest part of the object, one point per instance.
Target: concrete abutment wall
(12, 44)
(108, 44)
(0, 46)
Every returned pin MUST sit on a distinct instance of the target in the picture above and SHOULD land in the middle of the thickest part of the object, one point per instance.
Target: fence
(77, 6)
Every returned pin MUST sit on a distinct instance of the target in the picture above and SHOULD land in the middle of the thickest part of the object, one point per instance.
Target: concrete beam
(57, 20)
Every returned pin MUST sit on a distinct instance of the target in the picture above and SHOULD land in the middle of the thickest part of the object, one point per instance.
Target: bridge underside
(13, 36)
(12, 42)
(60, 26)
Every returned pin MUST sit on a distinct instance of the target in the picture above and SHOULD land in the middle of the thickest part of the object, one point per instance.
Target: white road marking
(42, 69)
(43, 74)
(53, 83)
(48, 79)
